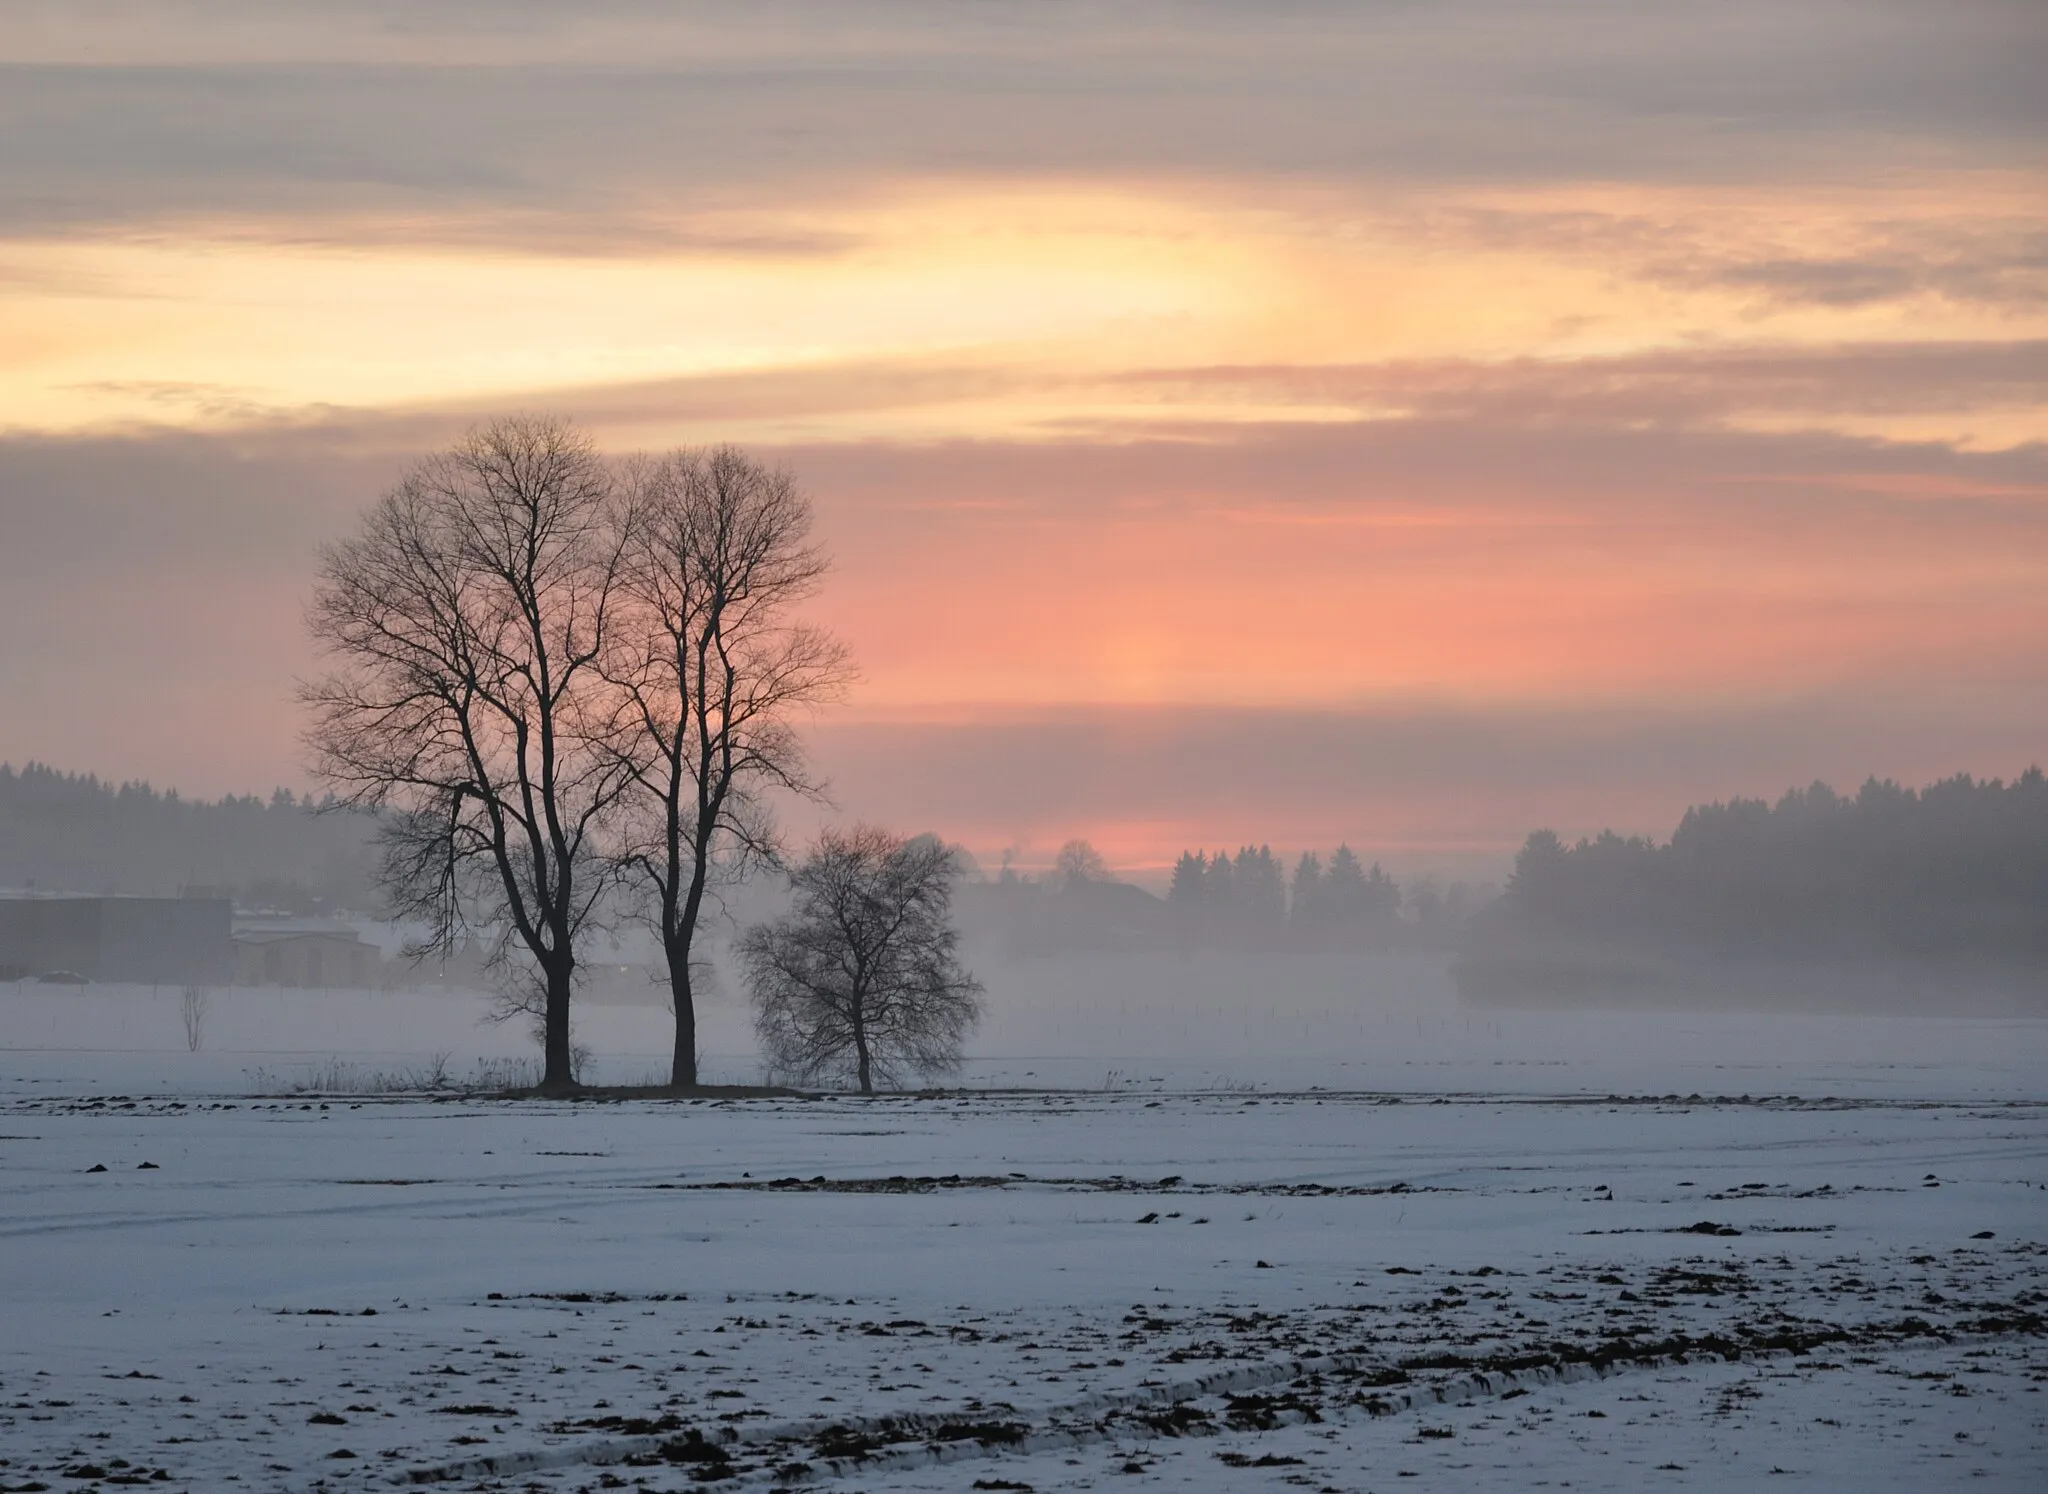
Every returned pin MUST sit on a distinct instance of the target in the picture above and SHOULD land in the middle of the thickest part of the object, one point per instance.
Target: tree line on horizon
(77, 832)
(1249, 899)
(1245, 901)
(1955, 870)
(1955, 866)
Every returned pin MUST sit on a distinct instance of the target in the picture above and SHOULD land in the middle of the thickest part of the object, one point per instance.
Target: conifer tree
(1305, 907)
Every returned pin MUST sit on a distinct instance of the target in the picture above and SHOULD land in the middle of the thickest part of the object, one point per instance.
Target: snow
(1478, 1265)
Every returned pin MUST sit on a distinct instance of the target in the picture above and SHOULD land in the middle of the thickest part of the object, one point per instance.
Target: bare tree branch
(465, 620)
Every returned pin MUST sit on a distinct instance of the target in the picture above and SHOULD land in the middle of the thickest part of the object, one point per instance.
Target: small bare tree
(192, 1004)
(711, 668)
(861, 978)
(1079, 862)
(465, 620)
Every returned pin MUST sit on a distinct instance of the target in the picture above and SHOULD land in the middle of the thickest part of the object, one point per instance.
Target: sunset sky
(1403, 423)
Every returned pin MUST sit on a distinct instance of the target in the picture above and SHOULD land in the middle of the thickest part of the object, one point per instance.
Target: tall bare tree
(862, 977)
(464, 621)
(711, 672)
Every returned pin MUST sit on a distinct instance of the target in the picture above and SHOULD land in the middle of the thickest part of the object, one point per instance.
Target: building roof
(286, 936)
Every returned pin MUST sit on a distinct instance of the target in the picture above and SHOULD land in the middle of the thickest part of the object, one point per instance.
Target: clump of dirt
(987, 1433)
(1265, 1412)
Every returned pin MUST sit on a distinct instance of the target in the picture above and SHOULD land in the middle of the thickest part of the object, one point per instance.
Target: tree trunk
(860, 1048)
(683, 1071)
(559, 1075)
(682, 903)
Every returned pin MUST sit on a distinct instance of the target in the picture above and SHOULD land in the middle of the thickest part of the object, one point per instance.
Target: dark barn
(134, 940)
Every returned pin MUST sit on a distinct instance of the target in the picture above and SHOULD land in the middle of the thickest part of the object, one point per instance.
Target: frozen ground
(1492, 1251)
(1113, 1289)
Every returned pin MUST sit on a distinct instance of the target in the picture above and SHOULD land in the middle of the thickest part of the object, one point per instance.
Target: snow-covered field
(1180, 1276)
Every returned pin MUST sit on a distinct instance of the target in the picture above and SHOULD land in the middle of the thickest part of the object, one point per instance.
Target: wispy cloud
(110, 113)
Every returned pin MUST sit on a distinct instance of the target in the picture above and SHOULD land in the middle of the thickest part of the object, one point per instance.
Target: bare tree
(861, 978)
(710, 671)
(192, 1004)
(465, 620)
(1079, 862)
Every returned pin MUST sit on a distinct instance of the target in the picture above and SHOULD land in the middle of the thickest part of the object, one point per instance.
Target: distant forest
(1249, 899)
(1247, 902)
(1952, 874)
(66, 832)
